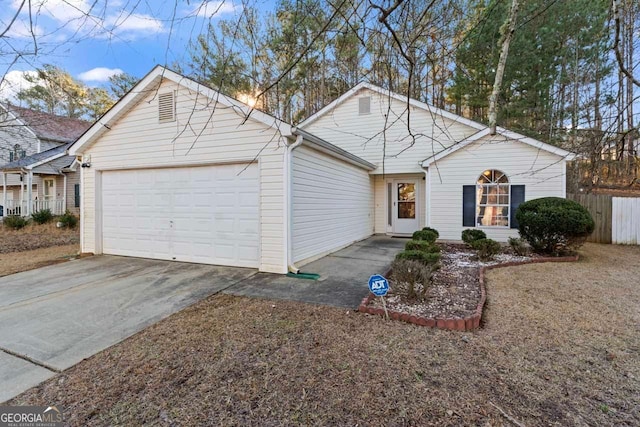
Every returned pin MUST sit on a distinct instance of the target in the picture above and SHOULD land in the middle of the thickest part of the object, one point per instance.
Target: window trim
(496, 184)
(360, 100)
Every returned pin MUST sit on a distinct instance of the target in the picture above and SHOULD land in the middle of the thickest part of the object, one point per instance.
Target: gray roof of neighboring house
(49, 126)
(55, 164)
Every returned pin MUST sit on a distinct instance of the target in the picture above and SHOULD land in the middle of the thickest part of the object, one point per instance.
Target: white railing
(56, 206)
(19, 207)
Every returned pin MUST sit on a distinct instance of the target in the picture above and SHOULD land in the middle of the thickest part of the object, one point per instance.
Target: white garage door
(206, 214)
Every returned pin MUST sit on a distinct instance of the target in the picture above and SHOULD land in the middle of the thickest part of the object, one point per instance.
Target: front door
(48, 189)
(405, 207)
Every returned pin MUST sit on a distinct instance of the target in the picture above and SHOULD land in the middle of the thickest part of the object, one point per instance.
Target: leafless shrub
(412, 278)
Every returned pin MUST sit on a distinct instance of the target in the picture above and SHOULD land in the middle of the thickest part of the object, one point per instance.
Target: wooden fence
(617, 218)
(600, 207)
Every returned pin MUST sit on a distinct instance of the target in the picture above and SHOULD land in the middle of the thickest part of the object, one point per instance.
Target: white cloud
(63, 10)
(95, 18)
(208, 9)
(134, 23)
(14, 81)
(99, 74)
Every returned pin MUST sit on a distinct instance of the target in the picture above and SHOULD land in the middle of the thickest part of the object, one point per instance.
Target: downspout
(427, 196)
(288, 176)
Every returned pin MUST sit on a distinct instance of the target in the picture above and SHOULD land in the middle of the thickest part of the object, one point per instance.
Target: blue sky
(93, 39)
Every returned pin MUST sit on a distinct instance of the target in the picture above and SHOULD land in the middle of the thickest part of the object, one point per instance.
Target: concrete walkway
(343, 275)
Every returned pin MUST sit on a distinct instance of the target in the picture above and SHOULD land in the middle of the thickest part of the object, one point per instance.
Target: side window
(76, 194)
(17, 153)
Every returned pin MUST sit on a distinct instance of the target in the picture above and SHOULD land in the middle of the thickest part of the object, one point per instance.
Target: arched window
(492, 198)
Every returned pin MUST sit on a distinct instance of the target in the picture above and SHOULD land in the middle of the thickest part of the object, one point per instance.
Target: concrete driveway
(54, 317)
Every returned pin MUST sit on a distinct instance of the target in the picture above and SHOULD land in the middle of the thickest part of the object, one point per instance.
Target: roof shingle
(50, 127)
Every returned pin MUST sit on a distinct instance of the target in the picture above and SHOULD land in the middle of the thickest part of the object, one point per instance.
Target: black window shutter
(76, 189)
(11, 156)
(468, 205)
(517, 197)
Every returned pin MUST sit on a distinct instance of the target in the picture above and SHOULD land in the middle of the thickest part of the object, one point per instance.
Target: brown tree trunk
(509, 29)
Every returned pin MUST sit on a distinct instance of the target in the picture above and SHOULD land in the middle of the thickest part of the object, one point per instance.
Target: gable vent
(364, 105)
(166, 107)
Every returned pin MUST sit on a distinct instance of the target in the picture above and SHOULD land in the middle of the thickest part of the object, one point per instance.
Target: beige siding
(201, 134)
(14, 132)
(540, 171)
(332, 204)
(369, 136)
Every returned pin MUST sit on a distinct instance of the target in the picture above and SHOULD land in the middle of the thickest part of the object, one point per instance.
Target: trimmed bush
(471, 235)
(15, 222)
(68, 220)
(433, 230)
(425, 235)
(412, 277)
(423, 257)
(42, 217)
(554, 226)
(421, 245)
(519, 246)
(487, 248)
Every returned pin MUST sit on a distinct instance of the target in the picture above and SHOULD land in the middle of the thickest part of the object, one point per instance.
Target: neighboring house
(611, 151)
(178, 171)
(36, 171)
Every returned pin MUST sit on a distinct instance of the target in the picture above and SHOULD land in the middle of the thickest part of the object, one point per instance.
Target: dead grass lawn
(11, 263)
(560, 347)
(35, 236)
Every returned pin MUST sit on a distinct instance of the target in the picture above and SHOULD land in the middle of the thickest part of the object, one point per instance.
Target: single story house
(37, 173)
(178, 171)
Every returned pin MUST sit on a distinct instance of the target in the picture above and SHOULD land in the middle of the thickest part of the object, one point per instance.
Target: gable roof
(42, 158)
(509, 135)
(47, 126)
(483, 130)
(402, 98)
(148, 84)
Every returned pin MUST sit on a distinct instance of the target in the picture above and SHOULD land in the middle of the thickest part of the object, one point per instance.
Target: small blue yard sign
(378, 285)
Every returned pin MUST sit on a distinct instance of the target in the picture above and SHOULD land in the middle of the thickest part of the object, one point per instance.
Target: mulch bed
(36, 237)
(455, 292)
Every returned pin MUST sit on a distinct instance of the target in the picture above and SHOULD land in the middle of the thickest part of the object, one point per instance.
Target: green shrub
(433, 230)
(519, 246)
(425, 235)
(42, 217)
(487, 248)
(421, 245)
(423, 257)
(68, 220)
(413, 278)
(15, 222)
(471, 235)
(554, 226)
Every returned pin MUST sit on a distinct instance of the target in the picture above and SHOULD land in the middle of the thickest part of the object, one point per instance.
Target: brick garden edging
(468, 323)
